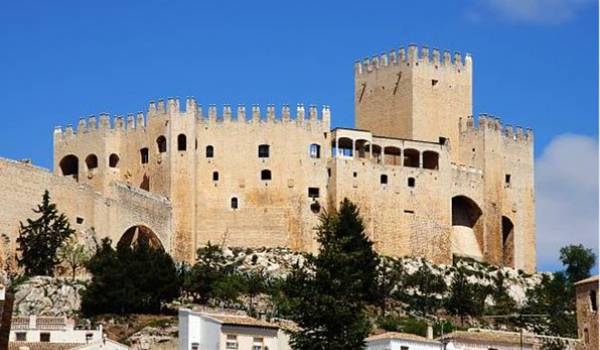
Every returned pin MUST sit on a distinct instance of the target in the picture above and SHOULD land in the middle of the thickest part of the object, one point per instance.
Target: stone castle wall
(22, 186)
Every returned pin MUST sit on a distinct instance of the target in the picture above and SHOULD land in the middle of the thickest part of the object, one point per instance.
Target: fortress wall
(400, 219)
(271, 213)
(23, 185)
(501, 151)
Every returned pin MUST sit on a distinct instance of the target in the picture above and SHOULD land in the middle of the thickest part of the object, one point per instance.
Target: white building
(401, 341)
(42, 332)
(204, 331)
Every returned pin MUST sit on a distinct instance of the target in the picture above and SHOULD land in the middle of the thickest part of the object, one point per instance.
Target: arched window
(144, 155)
(391, 156)
(263, 151)
(383, 179)
(215, 176)
(234, 203)
(91, 161)
(113, 160)
(210, 151)
(69, 166)
(315, 150)
(265, 175)
(161, 143)
(411, 158)
(430, 160)
(181, 142)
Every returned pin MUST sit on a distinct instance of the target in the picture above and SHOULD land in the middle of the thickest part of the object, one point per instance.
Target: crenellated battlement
(172, 108)
(493, 123)
(414, 55)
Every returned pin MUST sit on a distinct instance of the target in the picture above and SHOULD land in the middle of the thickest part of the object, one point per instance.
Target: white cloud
(566, 179)
(530, 11)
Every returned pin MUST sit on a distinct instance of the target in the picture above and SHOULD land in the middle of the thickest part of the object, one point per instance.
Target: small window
(161, 144)
(210, 151)
(434, 82)
(91, 162)
(411, 182)
(44, 337)
(315, 207)
(195, 346)
(79, 220)
(383, 179)
(215, 176)
(315, 151)
(113, 160)
(442, 140)
(586, 336)
(313, 192)
(21, 336)
(231, 342)
(507, 179)
(328, 172)
(355, 174)
(263, 151)
(265, 174)
(144, 155)
(404, 348)
(593, 301)
(234, 203)
(181, 142)
(89, 337)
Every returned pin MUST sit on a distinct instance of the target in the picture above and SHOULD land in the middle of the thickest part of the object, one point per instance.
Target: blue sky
(535, 65)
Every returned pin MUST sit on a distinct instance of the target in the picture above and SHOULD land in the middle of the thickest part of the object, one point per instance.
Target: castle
(429, 179)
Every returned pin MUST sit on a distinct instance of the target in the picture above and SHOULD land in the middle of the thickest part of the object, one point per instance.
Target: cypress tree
(328, 296)
(40, 239)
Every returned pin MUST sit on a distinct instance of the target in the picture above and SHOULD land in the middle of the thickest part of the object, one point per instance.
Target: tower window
(161, 143)
(215, 176)
(434, 82)
(263, 151)
(313, 192)
(383, 179)
(210, 151)
(144, 155)
(45, 337)
(411, 182)
(593, 301)
(91, 162)
(265, 175)
(113, 160)
(234, 203)
(507, 180)
(315, 151)
(181, 142)
(355, 174)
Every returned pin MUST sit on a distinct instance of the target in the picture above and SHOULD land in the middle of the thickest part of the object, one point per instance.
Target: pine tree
(40, 239)
(328, 296)
(466, 299)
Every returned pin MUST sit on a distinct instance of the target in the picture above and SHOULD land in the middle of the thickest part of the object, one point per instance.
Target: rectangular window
(313, 192)
(263, 151)
(44, 337)
(231, 342)
(195, 346)
(593, 301)
(144, 155)
(507, 180)
(404, 348)
(21, 336)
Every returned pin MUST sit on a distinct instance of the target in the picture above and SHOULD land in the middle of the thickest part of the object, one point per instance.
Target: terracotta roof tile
(239, 320)
(18, 345)
(492, 337)
(400, 336)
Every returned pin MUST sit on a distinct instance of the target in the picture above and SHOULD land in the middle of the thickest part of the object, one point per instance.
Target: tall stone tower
(414, 95)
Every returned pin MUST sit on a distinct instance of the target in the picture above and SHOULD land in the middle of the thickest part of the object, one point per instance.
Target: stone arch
(360, 148)
(134, 234)
(411, 158)
(69, 166)
(113, 160)
(91, 162)
(508, 242)
(431, 160)
(391, 156)
(467, 227)
(181, 142)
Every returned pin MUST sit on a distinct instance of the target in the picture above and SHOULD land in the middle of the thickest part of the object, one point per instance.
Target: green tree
(207, 272)
(255, 284)
(466, 299)
(73, 254)
(504, 304)
(40, 239)
(578, 261)
(130, 279)
(429, 287)
(329, 294)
